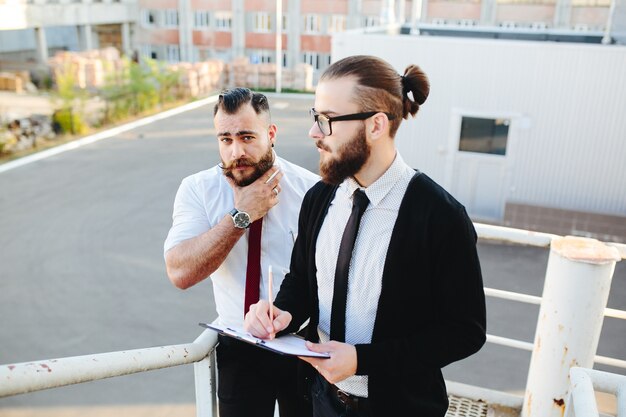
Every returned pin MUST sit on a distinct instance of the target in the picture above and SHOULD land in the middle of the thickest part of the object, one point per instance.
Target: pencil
(271, 178)
(269, 294)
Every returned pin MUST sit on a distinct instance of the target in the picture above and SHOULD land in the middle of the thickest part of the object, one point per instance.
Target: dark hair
(230, 101)
(381, 88)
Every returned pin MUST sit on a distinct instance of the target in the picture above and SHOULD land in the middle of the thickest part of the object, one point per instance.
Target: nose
(238, 150)
(315, 132)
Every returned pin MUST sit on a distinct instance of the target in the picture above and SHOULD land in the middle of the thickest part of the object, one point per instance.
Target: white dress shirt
(203, 200)
(368, 257)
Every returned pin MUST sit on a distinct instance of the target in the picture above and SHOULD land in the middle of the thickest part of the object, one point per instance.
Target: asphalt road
(82, 271)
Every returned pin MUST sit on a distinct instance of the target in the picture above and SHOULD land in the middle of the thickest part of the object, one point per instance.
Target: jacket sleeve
(294, 295)
(451, 324)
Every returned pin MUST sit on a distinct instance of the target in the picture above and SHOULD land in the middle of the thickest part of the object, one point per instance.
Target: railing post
(582, 400)
(576, 289)
(206, 399)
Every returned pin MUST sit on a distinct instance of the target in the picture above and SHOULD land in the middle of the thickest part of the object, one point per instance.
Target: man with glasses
(231, 222)
(385, 266)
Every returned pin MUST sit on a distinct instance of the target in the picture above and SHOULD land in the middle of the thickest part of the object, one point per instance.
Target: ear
(271, 133)
(378, 126)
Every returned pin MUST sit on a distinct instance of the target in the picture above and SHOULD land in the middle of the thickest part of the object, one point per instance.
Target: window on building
(370, 21)
(223, 54)
(148, 51)
(484, 135)
(170, 18)
(261, 22)
(223, 20)
(312, 23)
(148, 17)
(202, 19)
(311, 58)
(285, 22)
(591, 3)
(336, 23)
(538, 2)
(261, 56)
(172, 53)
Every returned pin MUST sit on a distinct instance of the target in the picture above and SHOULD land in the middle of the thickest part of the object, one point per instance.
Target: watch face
(242, 220)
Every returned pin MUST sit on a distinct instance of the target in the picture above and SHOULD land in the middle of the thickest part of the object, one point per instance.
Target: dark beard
(352, 157)
(260, 168)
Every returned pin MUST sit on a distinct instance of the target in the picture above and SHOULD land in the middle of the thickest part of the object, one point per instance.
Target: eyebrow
(240, 133)
(325, 113)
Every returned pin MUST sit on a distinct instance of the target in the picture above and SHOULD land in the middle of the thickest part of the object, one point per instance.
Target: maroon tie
(253, 271)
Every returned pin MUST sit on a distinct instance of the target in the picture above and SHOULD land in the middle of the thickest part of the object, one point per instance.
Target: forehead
(335, 96)
(244, 119)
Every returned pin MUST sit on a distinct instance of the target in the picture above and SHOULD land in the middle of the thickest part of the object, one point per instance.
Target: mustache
(322, 146)
(242, 162)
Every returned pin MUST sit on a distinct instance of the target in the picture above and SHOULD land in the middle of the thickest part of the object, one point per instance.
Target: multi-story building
(579, 15)
(193, 30)
(31, 29)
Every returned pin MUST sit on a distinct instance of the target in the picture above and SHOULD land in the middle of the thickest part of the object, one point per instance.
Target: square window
(480, 135)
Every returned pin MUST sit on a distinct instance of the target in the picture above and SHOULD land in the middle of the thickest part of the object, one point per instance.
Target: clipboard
(290, 344)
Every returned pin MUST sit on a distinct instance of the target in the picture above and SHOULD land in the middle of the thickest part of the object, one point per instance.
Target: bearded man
(230, 223)
(403, 297)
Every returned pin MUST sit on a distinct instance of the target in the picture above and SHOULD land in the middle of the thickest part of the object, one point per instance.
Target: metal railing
(541, 240)
(38, 375)
(583, 384)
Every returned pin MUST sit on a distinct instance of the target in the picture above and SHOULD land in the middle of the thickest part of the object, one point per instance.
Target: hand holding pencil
(264, 320)
(270, 297)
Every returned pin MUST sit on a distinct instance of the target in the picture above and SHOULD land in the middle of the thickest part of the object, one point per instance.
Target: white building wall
(568, 137)
(41, 14)
(24, 40)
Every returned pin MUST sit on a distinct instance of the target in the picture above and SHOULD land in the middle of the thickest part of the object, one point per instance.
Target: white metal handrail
(537, 239)
(38, 375)
(26, 377)
(584, 382)
(533, 299)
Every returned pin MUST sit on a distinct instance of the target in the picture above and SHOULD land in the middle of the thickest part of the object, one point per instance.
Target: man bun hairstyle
(414, 81)
(230, 101)
(381, 88)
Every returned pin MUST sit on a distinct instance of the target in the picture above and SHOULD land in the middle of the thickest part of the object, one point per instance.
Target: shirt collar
(381, 187)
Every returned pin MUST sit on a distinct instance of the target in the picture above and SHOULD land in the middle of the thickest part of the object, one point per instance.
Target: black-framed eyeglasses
(324, 122)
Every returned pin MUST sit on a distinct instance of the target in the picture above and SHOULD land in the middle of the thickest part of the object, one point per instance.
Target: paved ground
(81, 267)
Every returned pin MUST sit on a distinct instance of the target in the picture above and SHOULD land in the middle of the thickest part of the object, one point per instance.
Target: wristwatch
(241, 219)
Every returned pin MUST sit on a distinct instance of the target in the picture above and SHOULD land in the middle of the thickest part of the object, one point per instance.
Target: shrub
(70, 121)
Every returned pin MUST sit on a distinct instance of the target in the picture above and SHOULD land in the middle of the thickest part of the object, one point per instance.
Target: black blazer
(431, 309)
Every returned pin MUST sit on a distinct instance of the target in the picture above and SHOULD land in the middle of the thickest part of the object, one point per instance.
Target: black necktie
(340, 294)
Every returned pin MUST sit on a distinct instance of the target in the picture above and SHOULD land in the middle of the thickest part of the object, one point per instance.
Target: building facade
(580, 15)
(31, 29)
(193, 30)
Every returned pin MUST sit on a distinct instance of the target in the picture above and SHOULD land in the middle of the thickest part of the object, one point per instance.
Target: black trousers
(327, 404)
(251, 380)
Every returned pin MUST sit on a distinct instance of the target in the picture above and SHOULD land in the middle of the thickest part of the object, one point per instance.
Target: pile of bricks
(199, 78)
(243, 73)
(89, 69)
(14, 81)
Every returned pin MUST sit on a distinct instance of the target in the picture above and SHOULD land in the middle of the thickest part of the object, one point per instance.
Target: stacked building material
(14, 81)
(89, 69)
(263, 76)
(199, 78)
